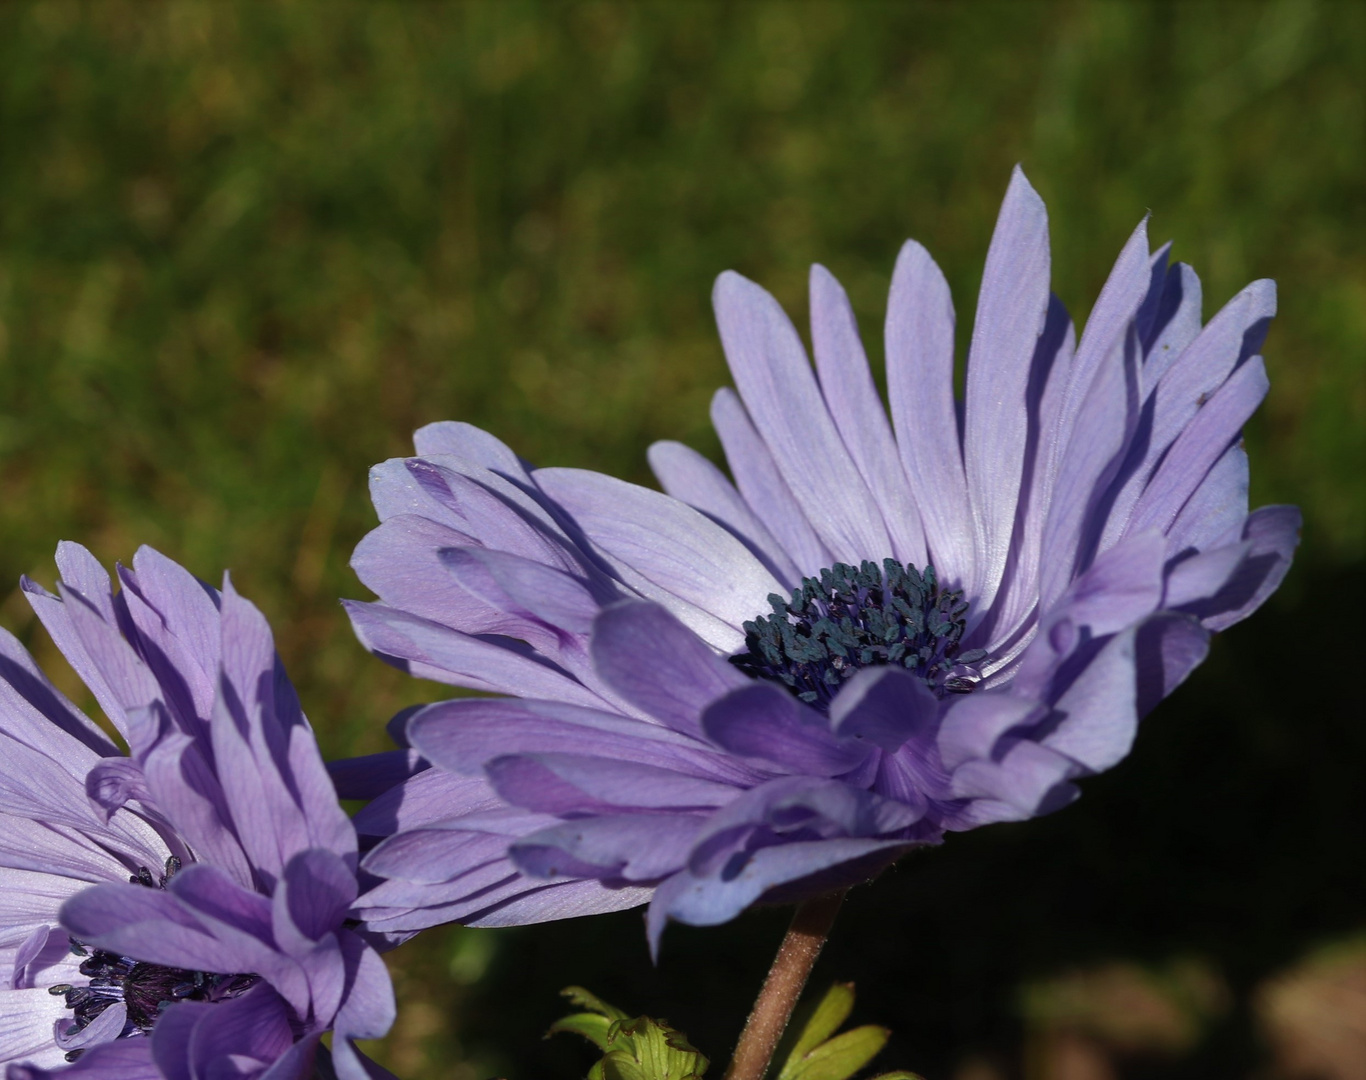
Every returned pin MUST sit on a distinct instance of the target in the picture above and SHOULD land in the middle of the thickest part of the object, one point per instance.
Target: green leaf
(590, 1025)
(825, 1019)
(636, 1049)
(585, 1000)
(839, 1058)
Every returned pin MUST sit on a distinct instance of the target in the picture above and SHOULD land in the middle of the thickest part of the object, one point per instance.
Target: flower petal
(847, 386)
(689, 477)
(779, 390)
(762, 485)
(1011, 309)
(763, 721)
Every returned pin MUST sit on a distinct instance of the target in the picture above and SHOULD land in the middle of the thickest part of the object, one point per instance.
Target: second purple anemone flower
(182, 910)
(874, 632)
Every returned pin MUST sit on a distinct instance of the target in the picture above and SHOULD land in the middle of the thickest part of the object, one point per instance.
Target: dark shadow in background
(1232, 833)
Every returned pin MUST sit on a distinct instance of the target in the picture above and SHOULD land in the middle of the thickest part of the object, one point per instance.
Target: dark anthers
(145, 989)
(849, 619)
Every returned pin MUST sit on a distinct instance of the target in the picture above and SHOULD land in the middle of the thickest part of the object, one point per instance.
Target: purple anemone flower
(872, 633)
(179, 911)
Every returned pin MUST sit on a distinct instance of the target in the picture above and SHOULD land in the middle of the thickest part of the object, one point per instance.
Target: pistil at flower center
(848, 618)
(145, 989)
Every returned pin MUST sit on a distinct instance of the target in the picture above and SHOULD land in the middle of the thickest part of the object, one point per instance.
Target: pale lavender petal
(122, 1059)
(689, 477)
(1027, 777)
(30, 699)
(188, 792)
(974, 725)
(277, 789)
(1175, 324)
(1090, 459)
(708, 901)
(472, 444)
(424, 798)
(1271, 534)
(1167, 648)
(1111, 320)
(1191, 380)
(846, 384)
(1218, 507)
(1019, 595)
(667, 551)
(762, 485)
(1011, 309)
(569, 901)
(1095, 720)
(779, 390)
(919, 337)
(26, 1022)
(1204, 440)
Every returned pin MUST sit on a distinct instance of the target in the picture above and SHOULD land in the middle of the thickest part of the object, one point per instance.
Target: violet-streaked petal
(462, 736)
(581, 783)
(884, 707)
(846, 384)
(658, 665)
(29, 698)
(763, 721)
(1176, 323)
(521, 587)
(630, 847)
(371, 775)
(432, 651)
(122, 1059)
(779, 390)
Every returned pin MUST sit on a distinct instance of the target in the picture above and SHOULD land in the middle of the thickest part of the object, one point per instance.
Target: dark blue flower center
(145, 989)
(848, 618)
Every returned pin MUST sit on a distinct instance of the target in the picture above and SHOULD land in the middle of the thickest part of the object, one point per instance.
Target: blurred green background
(246, 248)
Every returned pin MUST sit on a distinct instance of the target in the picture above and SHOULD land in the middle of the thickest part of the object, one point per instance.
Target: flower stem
(791, 967)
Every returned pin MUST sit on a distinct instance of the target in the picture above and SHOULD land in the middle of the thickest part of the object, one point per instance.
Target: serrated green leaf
(842, 1056)
(586, 1000)
(592, 1026)
(824, 1020)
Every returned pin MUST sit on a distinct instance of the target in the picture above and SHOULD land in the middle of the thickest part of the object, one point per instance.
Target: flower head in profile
(876, 630)
(179, 910)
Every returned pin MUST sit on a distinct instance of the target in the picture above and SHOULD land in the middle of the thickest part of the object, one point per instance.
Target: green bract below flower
(875, 631)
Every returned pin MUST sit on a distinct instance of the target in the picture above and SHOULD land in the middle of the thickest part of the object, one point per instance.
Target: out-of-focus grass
(246, 248)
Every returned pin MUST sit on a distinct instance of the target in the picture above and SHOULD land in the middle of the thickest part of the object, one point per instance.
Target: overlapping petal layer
(1087, 499)
(211, 863)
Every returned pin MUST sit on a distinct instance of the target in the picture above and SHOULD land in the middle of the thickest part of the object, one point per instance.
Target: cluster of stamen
(146, 990)
(848, 618)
